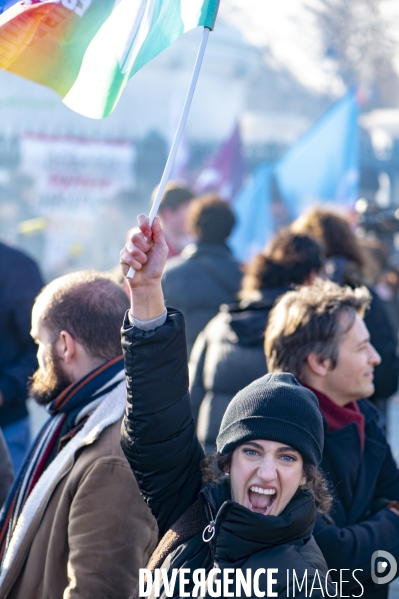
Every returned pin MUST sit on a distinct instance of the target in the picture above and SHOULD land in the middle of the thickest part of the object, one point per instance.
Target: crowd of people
(240, 428)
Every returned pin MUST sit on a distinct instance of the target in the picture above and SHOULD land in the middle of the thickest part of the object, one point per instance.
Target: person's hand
(146, 252)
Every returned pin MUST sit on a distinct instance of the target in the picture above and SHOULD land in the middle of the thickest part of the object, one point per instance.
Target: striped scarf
(67, 411)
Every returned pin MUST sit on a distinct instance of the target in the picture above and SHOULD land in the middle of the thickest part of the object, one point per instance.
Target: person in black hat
(252, 506)
(272, 421)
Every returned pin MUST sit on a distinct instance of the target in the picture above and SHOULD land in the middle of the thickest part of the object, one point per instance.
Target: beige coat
(90, 531)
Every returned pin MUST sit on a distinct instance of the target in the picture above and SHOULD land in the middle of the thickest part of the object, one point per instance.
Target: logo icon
(379, 567)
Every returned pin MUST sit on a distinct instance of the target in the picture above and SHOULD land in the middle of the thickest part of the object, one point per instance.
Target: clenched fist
(146, 253)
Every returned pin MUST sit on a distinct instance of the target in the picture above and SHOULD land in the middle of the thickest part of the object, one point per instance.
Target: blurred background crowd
(70, 187)
(292, 145)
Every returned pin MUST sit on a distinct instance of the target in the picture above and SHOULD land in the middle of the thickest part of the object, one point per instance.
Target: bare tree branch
(358, 39)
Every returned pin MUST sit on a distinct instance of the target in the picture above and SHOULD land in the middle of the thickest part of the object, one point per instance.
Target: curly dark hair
(215, 467)
(287, 260)
(333, 231)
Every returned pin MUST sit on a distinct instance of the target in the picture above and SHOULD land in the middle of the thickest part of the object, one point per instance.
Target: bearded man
(61, 534)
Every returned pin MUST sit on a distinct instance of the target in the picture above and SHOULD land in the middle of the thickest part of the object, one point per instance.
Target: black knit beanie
(275, 408)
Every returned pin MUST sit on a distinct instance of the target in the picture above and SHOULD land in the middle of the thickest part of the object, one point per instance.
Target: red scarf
(338, 417)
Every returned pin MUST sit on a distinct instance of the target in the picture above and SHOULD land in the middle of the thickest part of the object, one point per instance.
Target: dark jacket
(197, 282)
(20, 282)
(383, 338)
(159, 441)
(6, 470)
(362, 482)
(227, 356)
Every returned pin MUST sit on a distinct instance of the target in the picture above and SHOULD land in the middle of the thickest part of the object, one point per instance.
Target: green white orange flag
(87, 50)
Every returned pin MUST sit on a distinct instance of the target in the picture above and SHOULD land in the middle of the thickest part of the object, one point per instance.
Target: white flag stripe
(141, 35)
(124, 27)
(190, 13)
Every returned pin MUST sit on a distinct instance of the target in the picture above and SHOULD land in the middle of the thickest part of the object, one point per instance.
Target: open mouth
(261, 500)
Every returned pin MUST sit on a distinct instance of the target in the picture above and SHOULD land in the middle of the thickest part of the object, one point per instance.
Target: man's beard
(47, 384)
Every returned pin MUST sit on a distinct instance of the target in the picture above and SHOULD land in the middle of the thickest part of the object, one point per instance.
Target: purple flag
(224, 172)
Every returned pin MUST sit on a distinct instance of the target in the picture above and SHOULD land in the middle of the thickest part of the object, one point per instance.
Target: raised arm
(158, 433)
(146, 252)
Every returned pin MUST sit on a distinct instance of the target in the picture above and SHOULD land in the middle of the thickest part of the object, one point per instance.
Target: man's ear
(66, 347)
(317, 364)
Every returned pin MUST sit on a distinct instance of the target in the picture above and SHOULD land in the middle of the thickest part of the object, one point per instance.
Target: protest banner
(73, 179)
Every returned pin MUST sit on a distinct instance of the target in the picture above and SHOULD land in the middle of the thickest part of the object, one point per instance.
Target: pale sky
(287, 28)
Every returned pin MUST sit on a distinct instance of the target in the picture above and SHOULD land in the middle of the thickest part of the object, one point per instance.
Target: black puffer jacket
(160, 444)
(227, 356)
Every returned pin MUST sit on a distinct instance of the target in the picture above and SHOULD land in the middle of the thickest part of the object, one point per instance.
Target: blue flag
(323, 165)
(252, 207)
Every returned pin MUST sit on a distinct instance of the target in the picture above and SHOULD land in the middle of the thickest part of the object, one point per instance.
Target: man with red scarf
(318, 334)
(61, 534)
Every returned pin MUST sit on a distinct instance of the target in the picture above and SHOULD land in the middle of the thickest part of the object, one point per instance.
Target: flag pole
(178, 134)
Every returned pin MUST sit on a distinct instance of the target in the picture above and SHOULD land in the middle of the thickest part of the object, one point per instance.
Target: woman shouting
(249, 510)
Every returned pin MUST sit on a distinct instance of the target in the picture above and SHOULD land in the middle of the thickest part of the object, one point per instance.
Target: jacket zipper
(209, 531)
